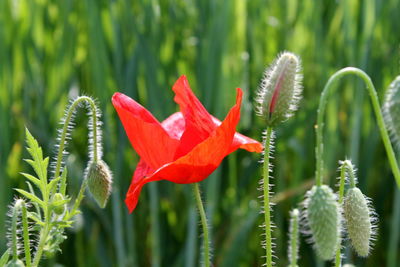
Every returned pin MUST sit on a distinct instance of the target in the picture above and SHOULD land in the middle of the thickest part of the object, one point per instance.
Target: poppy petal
(200, 162)
(174, 125)
(242, 141)
(199, 123)
(145, 133)
(132, 197)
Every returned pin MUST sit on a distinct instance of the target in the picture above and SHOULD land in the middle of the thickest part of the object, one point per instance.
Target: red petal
(199, 123)
(132, 197)
(242, 141)
(174, 125)
(145, 133)
(200, 162)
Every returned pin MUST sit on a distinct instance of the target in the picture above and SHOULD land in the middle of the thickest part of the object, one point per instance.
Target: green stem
(14, 222)
(64, 132)
(267, 212)
(25, 230)
(43, 237)
(378, 113)
(204, 224)
(294, 237)
(341, 195)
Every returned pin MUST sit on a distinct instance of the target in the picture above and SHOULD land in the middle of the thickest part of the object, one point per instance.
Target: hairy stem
(267, 215)
(294, 237)
(203, 223)
(379, 118)
(25, 233)
(64, 132)
(341, 195)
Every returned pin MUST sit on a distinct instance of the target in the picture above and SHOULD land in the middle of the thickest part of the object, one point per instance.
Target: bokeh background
(52, 51)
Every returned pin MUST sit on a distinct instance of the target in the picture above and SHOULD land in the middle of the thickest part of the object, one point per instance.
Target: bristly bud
(293, 251)
(280, 89)
(360, 221)
(391, 110)
(99, 179)
(323, 220)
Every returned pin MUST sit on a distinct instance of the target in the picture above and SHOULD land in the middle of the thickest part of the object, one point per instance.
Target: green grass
(52, 50)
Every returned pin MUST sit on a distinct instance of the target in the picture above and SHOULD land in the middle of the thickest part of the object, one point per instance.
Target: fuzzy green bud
(58, 206)
(359, 221)
(323, 220)
(391, 110)
(15, 263)
(280, 89)
(99, 179)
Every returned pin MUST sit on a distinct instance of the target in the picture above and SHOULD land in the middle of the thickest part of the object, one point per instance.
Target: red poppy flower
(186, 147)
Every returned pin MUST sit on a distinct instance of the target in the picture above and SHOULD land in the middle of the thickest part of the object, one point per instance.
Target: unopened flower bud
(58, 207)
(391, 110)
(323, 220)
(99, 180)
(359, 221)
(280, 89)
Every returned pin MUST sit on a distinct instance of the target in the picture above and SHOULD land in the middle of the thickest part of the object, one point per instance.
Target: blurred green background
(51, 51)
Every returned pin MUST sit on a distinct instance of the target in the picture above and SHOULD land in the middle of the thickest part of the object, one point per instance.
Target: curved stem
(379, 118)
(64, 131)
(267, 212)
(204, 224)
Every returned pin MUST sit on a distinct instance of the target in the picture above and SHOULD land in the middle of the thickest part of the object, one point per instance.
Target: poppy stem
(378, 114)
(267, 209)
(342, 181)
(203, 218)
(93, 133)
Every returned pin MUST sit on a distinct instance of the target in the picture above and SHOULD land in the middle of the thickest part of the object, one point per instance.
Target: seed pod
(58, 208)
(280, 89)
(99, 180)
(323, 219)
(391, 110)
(359, 221)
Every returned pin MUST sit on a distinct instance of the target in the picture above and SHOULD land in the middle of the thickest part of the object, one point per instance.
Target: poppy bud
(391, 109)
(359, 221)
(280, 89)
(323, 219)
(99, 179)
(58, 208)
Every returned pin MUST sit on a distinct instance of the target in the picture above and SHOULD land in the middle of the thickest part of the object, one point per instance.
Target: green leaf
(4, 258)
(34, 216)
(52, 185)
(38, 164)
(30, 196)
(33, 179)
(60, 202)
